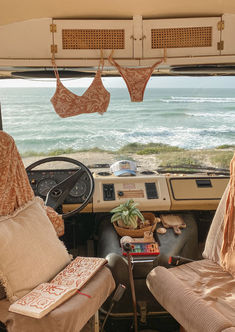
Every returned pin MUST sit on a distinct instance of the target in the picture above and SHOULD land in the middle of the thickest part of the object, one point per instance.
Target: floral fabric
(95, 99)
(15, 189)
(228, 246)
(136, 79)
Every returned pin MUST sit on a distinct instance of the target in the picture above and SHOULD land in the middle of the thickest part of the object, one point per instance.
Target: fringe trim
(9, 292)
(70, 255)
(23, 207)
(2, 292)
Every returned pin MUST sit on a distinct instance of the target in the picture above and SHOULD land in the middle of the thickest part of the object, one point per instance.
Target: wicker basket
(139, 232)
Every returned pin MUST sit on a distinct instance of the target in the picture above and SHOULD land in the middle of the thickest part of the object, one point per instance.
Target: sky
(118, 82)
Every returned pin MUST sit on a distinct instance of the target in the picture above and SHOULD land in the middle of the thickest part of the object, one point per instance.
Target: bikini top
(95, 99)
(136, 78)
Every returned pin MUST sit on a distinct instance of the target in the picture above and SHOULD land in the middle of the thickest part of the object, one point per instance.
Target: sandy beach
(90, 159)
(217, 158)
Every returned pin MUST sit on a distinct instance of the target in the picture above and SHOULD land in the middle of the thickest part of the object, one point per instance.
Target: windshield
(182, 122)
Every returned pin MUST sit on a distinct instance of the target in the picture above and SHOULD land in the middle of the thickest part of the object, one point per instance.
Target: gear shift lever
(127, 248)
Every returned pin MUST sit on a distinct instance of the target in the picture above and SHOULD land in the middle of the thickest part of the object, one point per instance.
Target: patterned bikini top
(95, 99)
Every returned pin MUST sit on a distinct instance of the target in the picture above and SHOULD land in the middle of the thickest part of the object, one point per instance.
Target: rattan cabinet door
(85, 38)
(187, 37)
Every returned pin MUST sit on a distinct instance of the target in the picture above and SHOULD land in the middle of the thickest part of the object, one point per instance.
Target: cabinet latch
(220, 25)
(220, 45)
(53, 49)
(52, 27)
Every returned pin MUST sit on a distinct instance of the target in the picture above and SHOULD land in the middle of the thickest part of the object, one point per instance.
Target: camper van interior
(175, 271)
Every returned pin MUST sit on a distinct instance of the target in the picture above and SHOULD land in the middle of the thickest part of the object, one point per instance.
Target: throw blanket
(228, 246)
(15, 189)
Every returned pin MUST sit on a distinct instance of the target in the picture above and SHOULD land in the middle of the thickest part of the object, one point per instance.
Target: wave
(115, 138)
(212, 115)
(163, 117)
(174, 99)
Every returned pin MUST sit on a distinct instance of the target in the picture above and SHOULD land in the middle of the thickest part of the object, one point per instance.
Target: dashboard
(43, 180)
(153, 192)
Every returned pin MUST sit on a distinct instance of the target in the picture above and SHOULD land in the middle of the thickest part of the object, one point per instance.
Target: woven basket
(139, 232)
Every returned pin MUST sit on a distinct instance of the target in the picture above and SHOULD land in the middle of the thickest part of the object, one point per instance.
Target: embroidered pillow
(31, 252)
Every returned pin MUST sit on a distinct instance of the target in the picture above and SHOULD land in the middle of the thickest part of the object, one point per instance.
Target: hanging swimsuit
(136, 78)
(95, 99)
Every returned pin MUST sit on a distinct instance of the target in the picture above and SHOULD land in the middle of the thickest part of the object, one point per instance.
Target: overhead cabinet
(145, 39)
(138, 38)
(135, 42)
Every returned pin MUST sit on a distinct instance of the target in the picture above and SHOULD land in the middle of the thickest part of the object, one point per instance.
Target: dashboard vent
(147, 172)
(104, 173)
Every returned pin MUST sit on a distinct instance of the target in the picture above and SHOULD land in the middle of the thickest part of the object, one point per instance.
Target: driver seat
(31, 254)
(200, 294)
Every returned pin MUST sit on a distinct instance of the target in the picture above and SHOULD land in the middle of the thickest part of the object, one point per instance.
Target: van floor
(159, 323)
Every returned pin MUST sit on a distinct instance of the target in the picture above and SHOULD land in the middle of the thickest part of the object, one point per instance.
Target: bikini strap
(160, 61)
(157, 63)
(112, 61)
(101, 63)
(55, 69)
(110, 58)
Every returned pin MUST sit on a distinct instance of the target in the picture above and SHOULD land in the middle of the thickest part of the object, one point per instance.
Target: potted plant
(128, 220)
(126, 215)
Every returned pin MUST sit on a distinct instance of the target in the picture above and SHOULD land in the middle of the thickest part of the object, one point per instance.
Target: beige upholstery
(199, 295)
(215, 236)
(71, 316)
(31, 252)
(219, 292)
(193, 298)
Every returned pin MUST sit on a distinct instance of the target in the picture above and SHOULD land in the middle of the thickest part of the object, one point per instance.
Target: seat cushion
(31, 252)
(211, 283)
(71, 316)
(199, 295)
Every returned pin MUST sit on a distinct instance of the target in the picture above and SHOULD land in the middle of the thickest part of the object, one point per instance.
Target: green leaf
(133, 221)
(139, 214)
(134, 205)
(117, 209)
(125, 213)
(128, 213)
(115, 217)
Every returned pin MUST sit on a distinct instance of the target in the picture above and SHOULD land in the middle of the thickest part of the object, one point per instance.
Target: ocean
(185, 117)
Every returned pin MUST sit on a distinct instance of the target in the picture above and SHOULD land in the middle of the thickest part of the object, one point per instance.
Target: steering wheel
(57, 195)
